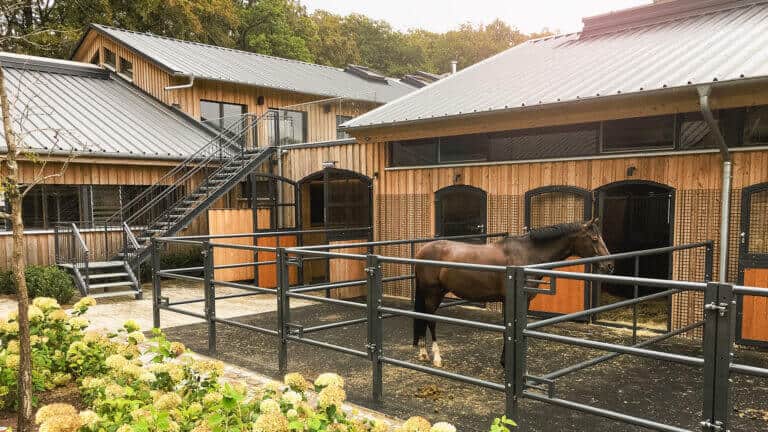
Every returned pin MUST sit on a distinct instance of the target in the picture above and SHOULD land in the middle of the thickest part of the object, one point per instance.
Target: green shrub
(42, 281)
(182, 259)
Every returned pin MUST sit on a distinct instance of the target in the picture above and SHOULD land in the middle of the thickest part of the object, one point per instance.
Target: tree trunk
(13, 197)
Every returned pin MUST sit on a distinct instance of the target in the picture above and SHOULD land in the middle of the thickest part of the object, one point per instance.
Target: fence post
(719, 307)
(283, 308)
(156, 289)
(375, 324)
(209, 291)
(515, 321)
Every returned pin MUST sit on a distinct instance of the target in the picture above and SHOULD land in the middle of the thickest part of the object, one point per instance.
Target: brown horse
(548, 244)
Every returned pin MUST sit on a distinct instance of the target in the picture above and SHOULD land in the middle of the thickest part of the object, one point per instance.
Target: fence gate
(552, 205)
(753, 265)
(461, 210)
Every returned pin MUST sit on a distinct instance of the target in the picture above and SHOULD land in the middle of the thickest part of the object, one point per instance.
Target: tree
(333, 46)
(14, 133)
(279, 28)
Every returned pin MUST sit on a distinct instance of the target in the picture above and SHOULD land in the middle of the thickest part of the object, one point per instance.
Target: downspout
(182, 86)
(725, 189)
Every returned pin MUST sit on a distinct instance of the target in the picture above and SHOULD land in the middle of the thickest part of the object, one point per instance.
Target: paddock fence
(520, 282)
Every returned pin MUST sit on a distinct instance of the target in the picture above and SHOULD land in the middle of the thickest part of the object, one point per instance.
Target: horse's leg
(432, 305)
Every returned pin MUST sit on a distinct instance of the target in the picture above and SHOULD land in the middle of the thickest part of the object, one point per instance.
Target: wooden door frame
(756, 260)
(672, 201)
(587, 196)
(467, 188)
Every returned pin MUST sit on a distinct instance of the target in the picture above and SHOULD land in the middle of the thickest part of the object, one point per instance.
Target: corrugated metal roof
(225, 64)
(62, 106)
(725, 45)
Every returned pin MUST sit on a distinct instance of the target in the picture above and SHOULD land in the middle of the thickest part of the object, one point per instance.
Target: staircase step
(94, 265)
(110, 285)
(107, 275)
(114, 294)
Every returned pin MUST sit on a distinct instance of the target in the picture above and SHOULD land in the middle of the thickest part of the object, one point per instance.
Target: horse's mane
(553, 232)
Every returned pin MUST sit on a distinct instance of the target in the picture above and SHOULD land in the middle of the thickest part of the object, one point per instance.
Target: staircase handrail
(186, 176)
(201, 155)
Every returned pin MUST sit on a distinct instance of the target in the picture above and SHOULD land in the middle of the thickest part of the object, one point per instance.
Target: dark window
(341, 119)
(756, 126)
(110, 59)
(126, 68)
(463, 148)
(639, 134)
(45, 205)
(695, 133)
(96, 59)
(460, 210)
(290, 127)
(222, 115)
(583, 140)
(105, 201)
(316, 204)
(414, 152)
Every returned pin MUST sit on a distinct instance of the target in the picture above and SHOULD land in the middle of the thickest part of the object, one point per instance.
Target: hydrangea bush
(132, 386)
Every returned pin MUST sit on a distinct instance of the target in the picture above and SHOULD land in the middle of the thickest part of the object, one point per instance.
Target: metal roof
(61, 107)
(230, 65)
(717, 46)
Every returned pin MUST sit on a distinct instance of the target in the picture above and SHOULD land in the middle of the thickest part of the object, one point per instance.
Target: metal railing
(70, 249)
(519, 284)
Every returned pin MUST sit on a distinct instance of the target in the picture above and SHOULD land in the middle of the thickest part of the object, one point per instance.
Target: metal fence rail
(519, 284)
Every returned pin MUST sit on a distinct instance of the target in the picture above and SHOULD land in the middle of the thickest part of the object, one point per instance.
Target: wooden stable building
(611, 123)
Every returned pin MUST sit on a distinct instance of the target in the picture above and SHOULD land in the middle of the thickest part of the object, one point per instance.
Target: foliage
(42, 281)
(502, 424)
(281, 28)
(53, 332)
(182, 259)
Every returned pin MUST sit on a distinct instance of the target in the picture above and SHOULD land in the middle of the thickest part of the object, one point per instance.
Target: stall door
(552, 205)
(753, 264)
(461, 210)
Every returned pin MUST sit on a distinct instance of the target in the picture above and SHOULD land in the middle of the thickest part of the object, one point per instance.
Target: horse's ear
(592, 223)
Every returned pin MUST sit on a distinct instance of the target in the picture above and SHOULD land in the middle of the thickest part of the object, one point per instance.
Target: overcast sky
(441, 15)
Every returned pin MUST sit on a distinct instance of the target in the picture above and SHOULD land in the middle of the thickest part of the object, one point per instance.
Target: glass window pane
(639, 133)
(210, 113)
(292, 127)
(109, 58)
(464, 148)
(232, 116)
(545, 143)
(32, 209)
(126, 68)
(106, 202)
(340, 134)
(695, 133)
(756, 127)
(415, 152)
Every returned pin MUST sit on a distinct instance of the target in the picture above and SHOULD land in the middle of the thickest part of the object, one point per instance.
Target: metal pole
(156, 289)
(209, 292)
(375, 324)
(725, 210)
(413, 272)
(283, 308)
(509, 343)
(634, 306)
(719, 306)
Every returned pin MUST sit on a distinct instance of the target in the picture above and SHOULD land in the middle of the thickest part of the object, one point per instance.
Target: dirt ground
(67, 394)
(660, 391)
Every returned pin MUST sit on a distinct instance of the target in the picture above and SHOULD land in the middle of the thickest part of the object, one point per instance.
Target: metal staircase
(163, 209)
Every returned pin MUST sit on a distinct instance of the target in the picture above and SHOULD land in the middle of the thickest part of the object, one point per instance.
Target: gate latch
(370, 270)
(721, 308)
(716, 426)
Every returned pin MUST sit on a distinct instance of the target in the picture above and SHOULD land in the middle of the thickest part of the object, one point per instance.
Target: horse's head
(588, 242)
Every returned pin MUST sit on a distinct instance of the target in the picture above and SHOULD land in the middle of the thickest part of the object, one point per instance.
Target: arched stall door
(266, 203)
(753, 265)
(461, 210)
(336, 199)
(551, 205)
(637, 215)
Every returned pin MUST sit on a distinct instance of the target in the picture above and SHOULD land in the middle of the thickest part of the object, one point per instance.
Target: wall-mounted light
(631, 170)
(375, 175)
(260, 100)
(326, 108)
(329, 164)
(457, 178)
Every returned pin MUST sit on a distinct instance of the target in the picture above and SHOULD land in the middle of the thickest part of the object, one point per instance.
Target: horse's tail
(419, 305)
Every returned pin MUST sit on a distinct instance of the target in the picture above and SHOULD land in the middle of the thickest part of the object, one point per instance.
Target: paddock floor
(657, 390)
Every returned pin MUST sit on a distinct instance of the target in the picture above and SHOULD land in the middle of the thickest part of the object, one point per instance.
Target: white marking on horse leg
(423, 354)
(436, 359)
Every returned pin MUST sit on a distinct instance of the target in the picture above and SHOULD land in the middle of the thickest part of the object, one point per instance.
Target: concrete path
(111, 313)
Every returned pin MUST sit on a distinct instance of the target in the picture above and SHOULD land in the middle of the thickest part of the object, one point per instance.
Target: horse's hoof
(437, 362)
(423, 357)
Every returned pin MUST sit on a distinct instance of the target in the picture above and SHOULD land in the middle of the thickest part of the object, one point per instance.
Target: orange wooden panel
(342, 270)
(754, 320)
(268, 273)
(569, 296)
(232, 221)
